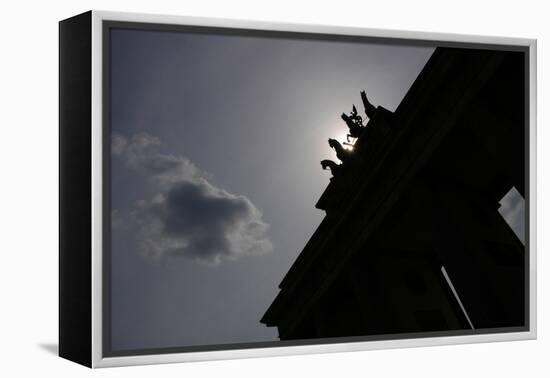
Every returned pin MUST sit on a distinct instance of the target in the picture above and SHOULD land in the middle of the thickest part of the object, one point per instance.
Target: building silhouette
(412, 240)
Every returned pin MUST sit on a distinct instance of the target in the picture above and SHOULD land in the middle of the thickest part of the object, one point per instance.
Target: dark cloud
(512, 209)
(140, 153)
(189, 216)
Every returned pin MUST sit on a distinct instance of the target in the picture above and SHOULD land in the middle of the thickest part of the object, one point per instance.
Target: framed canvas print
(233, 189)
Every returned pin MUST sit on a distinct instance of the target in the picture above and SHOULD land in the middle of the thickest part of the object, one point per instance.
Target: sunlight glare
(341, 137)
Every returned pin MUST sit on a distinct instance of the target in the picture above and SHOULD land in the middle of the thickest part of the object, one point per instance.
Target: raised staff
(370, 109)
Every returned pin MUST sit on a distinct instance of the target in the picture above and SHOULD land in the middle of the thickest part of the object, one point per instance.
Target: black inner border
(107, 26)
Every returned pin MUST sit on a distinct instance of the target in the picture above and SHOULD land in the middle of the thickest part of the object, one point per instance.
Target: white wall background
(28, 197)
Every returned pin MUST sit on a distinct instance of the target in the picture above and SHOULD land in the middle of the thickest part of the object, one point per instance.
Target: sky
(216, 142)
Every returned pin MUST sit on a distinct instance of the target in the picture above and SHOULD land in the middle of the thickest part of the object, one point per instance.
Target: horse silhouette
(341, 153)
(334, 168)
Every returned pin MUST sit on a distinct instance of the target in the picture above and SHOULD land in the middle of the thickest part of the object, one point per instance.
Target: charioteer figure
(370, 131)
(355, 122)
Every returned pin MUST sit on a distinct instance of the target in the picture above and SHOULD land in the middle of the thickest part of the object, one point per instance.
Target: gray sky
(215, 173)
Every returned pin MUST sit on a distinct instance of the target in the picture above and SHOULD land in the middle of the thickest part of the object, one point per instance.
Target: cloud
(140, 153)
(512, 209)
(189, 217)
